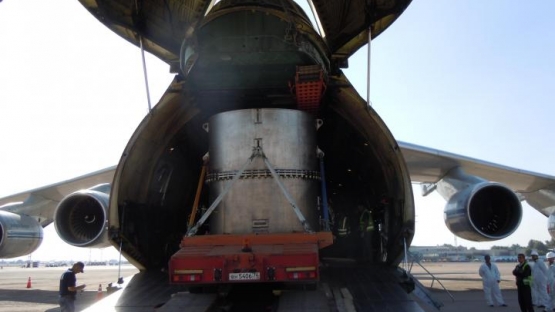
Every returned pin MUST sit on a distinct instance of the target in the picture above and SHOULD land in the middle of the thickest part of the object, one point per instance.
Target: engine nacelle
(484, 211)
(551, 225)
(20, 235)
(81, 217)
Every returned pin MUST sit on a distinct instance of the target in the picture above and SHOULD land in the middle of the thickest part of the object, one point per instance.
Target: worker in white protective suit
(550, 280)
(539, 281)
(490, 279)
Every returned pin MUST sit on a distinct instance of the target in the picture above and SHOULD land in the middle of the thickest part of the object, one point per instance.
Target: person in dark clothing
(366, 228)
(68, 290)
(523, 274)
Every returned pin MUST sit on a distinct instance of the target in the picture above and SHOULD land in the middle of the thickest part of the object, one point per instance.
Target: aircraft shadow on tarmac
(44, 297)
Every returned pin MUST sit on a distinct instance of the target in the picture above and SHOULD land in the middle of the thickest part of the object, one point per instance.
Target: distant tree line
(541, 247)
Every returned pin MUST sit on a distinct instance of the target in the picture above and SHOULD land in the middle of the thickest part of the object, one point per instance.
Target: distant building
(461, 254)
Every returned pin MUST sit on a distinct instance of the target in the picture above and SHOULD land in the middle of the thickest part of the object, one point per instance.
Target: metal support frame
(298, 212)
(192, 231)
(257, 152)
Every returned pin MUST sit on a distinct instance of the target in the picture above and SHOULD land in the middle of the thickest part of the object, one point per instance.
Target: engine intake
(484, 211)
(81, 217)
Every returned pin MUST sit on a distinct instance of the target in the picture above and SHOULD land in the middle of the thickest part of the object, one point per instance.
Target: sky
(475, 78)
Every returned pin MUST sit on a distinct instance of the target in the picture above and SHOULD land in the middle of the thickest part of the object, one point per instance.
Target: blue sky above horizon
(469, 77)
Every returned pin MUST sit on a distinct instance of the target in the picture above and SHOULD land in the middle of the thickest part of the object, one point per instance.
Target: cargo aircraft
(240, 172)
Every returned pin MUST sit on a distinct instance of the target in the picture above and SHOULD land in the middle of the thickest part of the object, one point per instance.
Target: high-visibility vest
(366, 221)
(343, 229)
(527, 280)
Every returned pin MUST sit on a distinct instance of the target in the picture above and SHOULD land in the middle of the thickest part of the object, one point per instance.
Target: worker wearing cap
(550, 280)
(490, 280)
(68, 289)
(539, 281)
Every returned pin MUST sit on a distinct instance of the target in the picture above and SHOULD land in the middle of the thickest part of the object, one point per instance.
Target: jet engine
(551, 225)
(484, 211)
(81, 217)
(19, 235)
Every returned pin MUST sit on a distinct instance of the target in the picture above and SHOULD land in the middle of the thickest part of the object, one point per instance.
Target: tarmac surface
(457, 285)
(43, 294)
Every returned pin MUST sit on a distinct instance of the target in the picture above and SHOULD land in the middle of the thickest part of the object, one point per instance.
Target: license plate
(247, 276)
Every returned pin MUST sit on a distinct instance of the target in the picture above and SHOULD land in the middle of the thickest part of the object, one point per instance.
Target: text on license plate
(246, 276)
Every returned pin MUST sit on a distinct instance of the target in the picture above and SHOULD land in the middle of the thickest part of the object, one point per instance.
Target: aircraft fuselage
(245, 57)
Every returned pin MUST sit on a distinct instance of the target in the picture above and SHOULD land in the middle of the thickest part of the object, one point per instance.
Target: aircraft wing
(40, 203)
(428, 166)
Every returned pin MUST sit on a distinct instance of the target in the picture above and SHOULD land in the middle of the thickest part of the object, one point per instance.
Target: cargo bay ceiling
(164, 24)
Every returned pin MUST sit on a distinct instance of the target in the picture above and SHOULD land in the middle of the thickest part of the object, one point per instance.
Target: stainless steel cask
(255, 203)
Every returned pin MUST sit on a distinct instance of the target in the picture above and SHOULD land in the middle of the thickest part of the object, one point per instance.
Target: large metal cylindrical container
(255, 202)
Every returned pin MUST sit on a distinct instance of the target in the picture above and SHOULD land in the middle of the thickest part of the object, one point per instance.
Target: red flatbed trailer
(249, 258)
